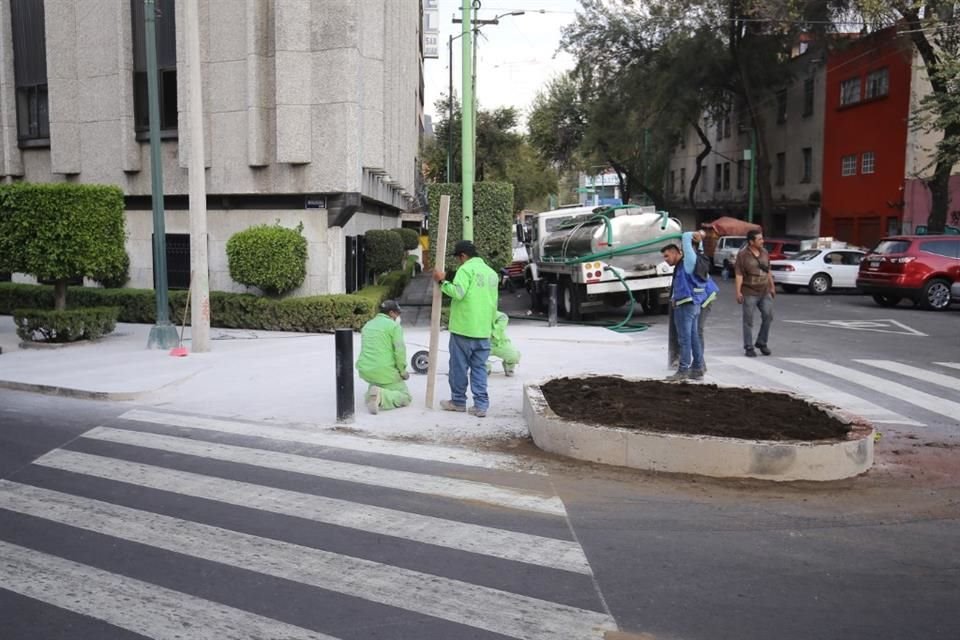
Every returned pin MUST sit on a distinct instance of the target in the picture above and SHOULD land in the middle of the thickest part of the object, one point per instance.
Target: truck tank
(582, 238)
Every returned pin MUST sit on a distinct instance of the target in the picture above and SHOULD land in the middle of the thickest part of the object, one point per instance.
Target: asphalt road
(124, 523)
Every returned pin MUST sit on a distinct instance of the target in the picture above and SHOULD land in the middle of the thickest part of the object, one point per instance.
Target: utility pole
(467, 140)
(753, 171)
(163, 335)
(199, 268)
(450, 113)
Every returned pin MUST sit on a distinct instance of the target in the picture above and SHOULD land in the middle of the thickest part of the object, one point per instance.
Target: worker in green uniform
(501, 346)
(473, 307)
(383, 360)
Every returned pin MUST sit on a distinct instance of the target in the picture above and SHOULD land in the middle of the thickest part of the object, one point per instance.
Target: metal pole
(200, 311)
(467, 140)
(163, 335)
(450, 114)
(343, 343)
(473, 85)
(552, 304)
(753, 170)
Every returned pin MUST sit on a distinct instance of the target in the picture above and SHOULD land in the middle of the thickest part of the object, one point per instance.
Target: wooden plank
(439, 263)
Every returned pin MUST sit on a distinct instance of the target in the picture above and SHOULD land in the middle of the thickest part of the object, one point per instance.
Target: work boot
(696, 374)
(373, 400)
(508, 369)
(678, 376)
(749, 352)
(764, 349)
(475, 411)
(447, 405)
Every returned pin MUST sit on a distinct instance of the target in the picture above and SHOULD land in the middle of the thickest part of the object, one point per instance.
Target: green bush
(69, 325)
(231, 310)
(384, 251)
(492, 219)
(410, 238)
(59, 232)
(118, 280)
(269, 257)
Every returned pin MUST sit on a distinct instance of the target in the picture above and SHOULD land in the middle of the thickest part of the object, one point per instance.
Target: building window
(703, 178)
(718, 177)
(166, 31)
(673, 182)
(741, 172)
(30, 72)
(781, 168)
(867, 162)
(850, 91)
(849, 166)
(726, 176)
(878, 83)
(719, 129)
(782, 106)
(726, 125)
(683, 179)
(808, 88)
(807, 173)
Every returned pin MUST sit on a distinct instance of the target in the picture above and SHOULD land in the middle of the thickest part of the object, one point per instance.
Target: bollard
(552, 304)
(344, 350)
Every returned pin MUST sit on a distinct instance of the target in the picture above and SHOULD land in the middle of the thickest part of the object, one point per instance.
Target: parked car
(923, 269)
(819, 270)
(781, 249)
(725, 252)
(955, 291)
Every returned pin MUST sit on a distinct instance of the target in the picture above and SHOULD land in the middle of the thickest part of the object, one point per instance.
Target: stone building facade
(312, 112)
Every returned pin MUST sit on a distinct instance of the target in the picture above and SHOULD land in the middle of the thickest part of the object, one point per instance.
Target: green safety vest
(474, 299)
(383, 355)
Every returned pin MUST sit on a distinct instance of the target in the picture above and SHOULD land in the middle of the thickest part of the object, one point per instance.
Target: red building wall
(862, 207)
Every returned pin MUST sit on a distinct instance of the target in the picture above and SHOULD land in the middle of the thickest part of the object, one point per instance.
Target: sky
(516, 58)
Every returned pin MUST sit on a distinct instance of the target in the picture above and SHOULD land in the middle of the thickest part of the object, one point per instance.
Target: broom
(180, 351)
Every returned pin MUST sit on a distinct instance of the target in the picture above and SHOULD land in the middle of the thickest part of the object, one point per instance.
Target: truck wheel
(571, 295)
(616, 300)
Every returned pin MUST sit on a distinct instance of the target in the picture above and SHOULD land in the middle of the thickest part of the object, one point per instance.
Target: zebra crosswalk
(173, 526)
(870, 388)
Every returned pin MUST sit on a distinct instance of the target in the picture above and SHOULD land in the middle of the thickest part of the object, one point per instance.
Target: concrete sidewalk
(289, 378)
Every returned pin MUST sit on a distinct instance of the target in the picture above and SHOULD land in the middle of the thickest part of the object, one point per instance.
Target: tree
(61, 232)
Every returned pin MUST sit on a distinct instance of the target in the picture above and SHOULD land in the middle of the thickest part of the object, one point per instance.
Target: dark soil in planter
(695, 409)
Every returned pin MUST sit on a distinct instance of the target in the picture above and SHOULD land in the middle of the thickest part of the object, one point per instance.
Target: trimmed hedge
(410, 238)
(492, 219)
(228, 310)
(269, 257)
(69, 325)
(384, 251)
(58, 232)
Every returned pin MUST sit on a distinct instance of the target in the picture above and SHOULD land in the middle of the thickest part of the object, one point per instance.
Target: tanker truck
(595, 254)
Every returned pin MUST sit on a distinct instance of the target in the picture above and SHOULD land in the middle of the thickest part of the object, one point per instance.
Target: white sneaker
(373, 400)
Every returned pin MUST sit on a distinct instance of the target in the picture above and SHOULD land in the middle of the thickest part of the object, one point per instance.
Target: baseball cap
(464, 246)
(390, 305)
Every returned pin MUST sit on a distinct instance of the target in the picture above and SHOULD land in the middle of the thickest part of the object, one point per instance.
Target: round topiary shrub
(119, 279)
(410, 238)
(269, 257)
(384, 251)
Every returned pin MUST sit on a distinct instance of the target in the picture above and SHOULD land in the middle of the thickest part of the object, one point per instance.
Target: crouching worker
(383, 360)
(501, 346)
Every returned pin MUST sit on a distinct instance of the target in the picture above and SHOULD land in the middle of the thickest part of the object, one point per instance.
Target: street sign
(315, 202)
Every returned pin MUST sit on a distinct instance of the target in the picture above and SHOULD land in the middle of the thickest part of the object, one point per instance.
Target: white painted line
(437, 453)
(513, 615)
(151, 611)
(346, 471)
(952, 365)
(893, 389)
(925, 375)
(879, 326)
(508, 545)
(819, 391)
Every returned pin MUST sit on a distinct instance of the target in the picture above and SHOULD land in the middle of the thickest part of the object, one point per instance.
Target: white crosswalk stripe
(159, 613)
(927, 401)
(509, 545)
(811, 388)
(915, 372)
(89, 482)
(347, 471)
(438, 453)
(952, 365)
(500, 612)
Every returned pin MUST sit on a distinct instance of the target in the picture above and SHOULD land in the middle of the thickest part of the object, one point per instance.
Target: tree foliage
(269, 257)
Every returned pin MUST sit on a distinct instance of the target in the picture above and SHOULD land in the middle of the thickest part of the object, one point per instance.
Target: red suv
(921, 268)
(781, 249)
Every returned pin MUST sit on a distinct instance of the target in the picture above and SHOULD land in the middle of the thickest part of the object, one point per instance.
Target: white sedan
(819, 270)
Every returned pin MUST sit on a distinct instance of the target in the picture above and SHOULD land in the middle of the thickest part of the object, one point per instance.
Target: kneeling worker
(501, 346)
(383, 360)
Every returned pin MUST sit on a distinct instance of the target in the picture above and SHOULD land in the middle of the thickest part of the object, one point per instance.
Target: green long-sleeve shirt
(383, 355)
(474, 299)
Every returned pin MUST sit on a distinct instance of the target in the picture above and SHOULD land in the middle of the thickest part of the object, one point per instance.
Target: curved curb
(86, 394)
(701, 455)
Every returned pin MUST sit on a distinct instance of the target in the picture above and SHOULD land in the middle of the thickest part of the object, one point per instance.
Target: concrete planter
(701, 455)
